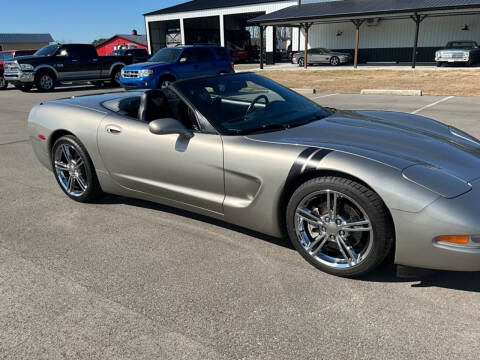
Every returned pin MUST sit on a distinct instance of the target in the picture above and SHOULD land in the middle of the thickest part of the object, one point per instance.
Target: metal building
(377, 30)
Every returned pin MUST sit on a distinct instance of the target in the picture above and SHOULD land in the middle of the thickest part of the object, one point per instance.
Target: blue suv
(177, 63)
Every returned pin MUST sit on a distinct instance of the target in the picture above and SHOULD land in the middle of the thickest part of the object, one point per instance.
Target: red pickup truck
(8, 55)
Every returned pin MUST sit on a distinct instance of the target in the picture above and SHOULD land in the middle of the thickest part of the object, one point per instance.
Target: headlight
(436, 180)
(26, 67)
(144, 73)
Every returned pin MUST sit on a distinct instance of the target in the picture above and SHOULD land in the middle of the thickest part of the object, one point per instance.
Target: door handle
(74, 60)
(112, 129)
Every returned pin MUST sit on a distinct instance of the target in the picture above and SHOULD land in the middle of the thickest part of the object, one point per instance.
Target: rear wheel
(3, 83)
(97, 83)
(74, 170)
(335, 61)
(339, 226)
(439, 64)
(301, 63)
(45, 81)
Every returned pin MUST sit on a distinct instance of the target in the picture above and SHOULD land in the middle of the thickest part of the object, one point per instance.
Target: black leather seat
(153, 106)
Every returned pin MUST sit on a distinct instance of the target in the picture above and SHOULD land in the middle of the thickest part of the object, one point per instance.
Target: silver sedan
(346, 187)
(321, 56)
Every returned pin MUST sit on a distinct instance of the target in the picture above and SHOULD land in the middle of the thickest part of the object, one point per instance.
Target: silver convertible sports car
(347, 187)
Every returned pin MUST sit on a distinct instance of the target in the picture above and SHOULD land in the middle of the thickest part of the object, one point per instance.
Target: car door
(314, 56)
(77, 62)
(172, 167)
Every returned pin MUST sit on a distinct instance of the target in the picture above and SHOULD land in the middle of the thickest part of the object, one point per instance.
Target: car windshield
(249, 103)
(166, 55)
(48, 50)
(464, 45)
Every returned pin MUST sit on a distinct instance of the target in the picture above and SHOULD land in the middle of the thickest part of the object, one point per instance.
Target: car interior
(154, 105)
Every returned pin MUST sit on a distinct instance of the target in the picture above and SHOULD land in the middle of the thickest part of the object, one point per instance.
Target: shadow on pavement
(465, 281)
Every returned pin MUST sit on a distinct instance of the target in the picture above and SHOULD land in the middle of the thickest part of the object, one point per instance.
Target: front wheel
(74, 170)
(339, 226)
(45, 81)
(3, 83)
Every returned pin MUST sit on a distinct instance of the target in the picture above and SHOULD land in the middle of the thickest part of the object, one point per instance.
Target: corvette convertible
(346, 187)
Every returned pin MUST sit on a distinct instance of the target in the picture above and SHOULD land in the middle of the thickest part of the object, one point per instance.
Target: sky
(78, 21)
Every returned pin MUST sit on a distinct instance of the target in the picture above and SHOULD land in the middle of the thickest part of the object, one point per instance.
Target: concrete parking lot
(128, 279)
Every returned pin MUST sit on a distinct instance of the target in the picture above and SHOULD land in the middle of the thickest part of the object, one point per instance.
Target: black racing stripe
(315, 160)
(299, 162)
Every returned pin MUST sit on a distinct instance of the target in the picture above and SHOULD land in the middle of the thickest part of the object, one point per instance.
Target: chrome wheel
(46, 82)
(334, 61)
(300, 62)
(333, 229)
(165, 84)
(70, 170)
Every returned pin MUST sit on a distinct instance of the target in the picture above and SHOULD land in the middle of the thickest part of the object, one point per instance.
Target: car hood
(398, 139)
(145, 66)
(29, 58)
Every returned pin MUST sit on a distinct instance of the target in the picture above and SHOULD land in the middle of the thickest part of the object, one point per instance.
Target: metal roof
(138, 39)
(195, 5)
(25, 38)
(357, 8)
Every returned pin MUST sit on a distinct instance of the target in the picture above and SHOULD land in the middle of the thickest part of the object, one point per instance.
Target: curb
(305, 91)
(391, 92)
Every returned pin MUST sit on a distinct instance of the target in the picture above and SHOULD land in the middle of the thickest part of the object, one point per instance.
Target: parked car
(461, 52)
(322, 56)
(138, 55)
(54, 63)
(347, 187)
(176, 63)
(8, 55)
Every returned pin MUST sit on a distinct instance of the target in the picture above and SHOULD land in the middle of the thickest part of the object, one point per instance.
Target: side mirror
(182, 60)
(169, 126)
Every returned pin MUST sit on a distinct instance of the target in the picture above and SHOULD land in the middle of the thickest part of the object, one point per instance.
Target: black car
(138, 55)
(70, 62)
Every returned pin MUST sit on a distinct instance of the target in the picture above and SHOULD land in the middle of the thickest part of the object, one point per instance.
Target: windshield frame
(304, 119)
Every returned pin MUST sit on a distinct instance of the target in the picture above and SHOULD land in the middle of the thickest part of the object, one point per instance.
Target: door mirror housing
(183, 60)
(169, 126)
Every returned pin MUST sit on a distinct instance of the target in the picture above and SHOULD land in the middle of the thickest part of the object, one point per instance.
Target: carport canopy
(358, 11)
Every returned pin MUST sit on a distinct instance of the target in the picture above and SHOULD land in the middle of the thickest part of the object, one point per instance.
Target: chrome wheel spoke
(351, 255)
(316, 241)
(306, 214)
(67, 153)
(355, 226)
(320, 247)
(70, 183)
(332, 199)
(82, 183)
(60, 166)
(78, 164)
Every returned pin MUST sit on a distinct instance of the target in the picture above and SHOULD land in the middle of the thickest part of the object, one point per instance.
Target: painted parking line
(432, 104)
(322, 96)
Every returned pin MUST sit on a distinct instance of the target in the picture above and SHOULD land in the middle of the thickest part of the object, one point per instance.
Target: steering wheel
(252, 105)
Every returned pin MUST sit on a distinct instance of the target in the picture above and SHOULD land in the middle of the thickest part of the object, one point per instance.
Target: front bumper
(20, 76)
(451, 60)
(136, 83)
(416, 234)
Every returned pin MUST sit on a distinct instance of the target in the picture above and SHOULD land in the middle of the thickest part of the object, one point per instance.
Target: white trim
(222, 30)
(182, 31)
(432, 104)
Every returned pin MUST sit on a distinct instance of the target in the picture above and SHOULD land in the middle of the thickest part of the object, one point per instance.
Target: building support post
(222, 31)
(182, 31)
(262, 31)
(357, 24)
(418, 19)
(306, 27)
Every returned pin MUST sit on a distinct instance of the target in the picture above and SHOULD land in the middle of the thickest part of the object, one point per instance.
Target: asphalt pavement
(129, 279)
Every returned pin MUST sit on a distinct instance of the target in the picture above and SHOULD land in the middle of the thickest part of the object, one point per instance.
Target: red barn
(117, 42)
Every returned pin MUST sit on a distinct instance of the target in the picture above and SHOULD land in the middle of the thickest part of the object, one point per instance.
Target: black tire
(45, 81)
(334, 61)
(23, 87)
(371, 204)
(93, 190)
(97, 83)
(116, 73)
(165, 81)
(301, 63)
(3, 83)
(439, 64)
